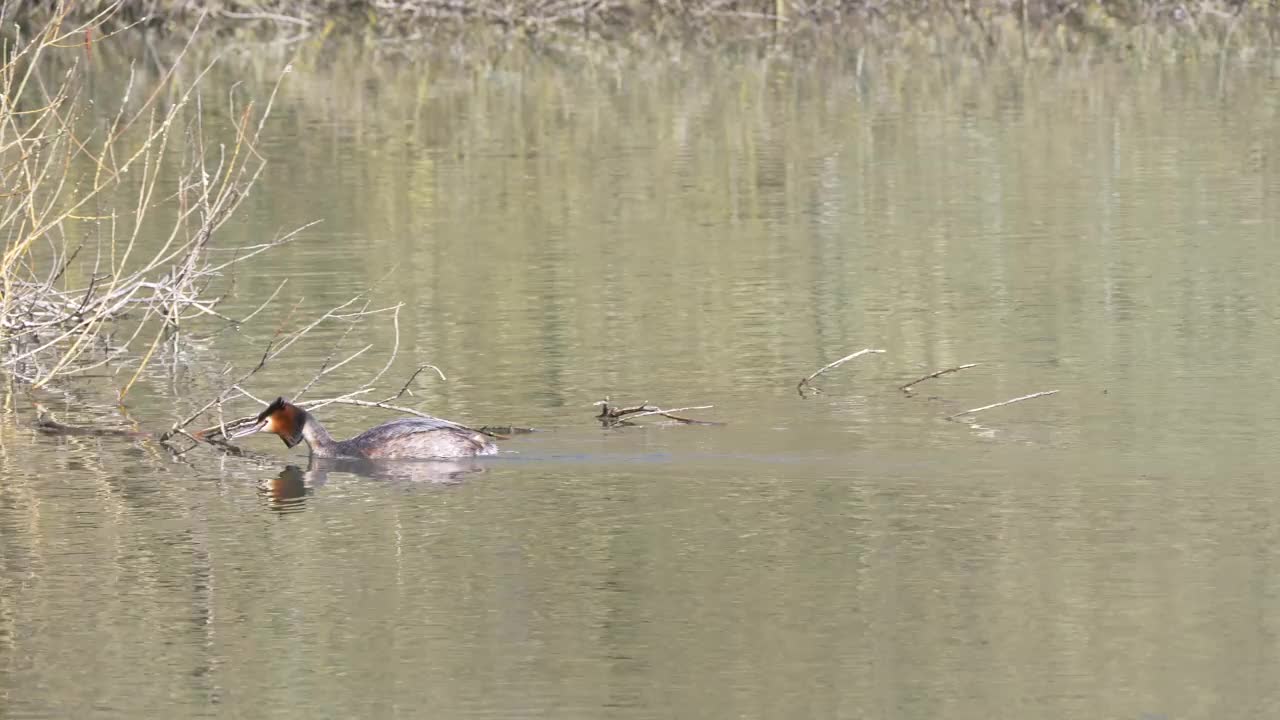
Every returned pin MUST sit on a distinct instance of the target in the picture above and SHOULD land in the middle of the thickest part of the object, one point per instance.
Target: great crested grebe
(407, 438)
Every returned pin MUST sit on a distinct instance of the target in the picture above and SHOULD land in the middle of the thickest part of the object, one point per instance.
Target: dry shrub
(1019, 28)
(109, 230)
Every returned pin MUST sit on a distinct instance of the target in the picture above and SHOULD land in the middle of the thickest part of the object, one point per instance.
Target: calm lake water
(705, 230)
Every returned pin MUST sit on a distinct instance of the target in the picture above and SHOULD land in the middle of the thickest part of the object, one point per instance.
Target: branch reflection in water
(288, 491)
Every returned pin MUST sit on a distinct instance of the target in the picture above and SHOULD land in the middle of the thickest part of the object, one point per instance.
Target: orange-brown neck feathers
(284, 419)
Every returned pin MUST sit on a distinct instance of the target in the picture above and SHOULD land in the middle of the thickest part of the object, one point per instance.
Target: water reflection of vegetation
(805, 207)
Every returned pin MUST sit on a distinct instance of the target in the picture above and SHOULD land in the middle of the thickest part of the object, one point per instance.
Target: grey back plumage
(418, 437)
(406, 426)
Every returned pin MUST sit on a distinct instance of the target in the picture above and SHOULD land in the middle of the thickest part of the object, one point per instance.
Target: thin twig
(278, 343)
(660, 411)
(615, 416)
(215, 432)
(907, 388)
(264, 304)
(405, 388)
(606, 410)
(800, 386)
(1002, 404)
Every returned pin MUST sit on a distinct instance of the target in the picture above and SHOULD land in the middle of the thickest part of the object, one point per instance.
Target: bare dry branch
(805, 383)
(282, 341)
(1002, 404)
(938, 373)
(221, 432)
(670, 413)
(55, 179)
(621, 416)
(504, 432)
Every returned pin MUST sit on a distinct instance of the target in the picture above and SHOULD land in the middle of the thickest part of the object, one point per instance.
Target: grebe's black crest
(275, 406)
(282, 418)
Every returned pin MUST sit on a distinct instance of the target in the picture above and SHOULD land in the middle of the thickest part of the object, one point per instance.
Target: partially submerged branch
(805, 383)
(50, 425)
(623, 416)
(938, 373)
(504, 432)
(1002, 404)
(354, 312)
(222, 431)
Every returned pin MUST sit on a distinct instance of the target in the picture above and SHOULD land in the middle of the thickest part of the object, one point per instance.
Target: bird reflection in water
(288, 491)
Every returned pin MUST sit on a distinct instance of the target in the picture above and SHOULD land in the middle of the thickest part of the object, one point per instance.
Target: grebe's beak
(256, 427)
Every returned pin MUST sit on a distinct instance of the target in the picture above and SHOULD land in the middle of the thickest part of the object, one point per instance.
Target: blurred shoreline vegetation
(1017, 30)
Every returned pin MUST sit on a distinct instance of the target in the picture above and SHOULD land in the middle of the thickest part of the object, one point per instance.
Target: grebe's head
(282, 418)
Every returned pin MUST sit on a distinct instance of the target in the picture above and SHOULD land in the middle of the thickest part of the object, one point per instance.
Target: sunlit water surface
(704, 231)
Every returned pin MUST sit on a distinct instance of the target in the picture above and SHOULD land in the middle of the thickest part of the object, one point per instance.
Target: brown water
(707, 231)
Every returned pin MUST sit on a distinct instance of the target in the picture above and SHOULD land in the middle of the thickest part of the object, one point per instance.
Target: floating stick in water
(619, 416)
(800, 386)
(907, 388)
(1002, 404)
